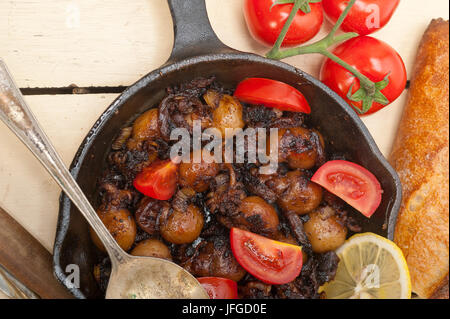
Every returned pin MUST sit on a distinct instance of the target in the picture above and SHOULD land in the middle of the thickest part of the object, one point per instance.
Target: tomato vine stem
(370, 90)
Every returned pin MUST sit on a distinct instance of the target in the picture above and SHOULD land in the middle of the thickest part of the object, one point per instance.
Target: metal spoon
(131, 277)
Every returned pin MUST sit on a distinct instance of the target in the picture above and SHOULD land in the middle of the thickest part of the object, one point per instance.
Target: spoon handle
(16, 114)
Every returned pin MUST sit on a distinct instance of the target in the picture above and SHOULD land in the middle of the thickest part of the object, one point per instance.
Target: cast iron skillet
(198, 52)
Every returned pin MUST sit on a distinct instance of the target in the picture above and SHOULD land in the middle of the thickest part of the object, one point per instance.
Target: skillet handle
(193, 32)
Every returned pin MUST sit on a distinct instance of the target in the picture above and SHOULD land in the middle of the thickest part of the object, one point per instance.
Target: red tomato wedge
(272, 93)
(158, 181)
(219, 288)
(352, 183)
(270, 261)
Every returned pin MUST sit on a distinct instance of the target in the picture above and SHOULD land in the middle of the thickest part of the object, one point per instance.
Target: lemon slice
(370, 267)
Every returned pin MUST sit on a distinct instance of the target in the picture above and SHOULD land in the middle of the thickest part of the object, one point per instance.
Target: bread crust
(421, 157)
(442, 291)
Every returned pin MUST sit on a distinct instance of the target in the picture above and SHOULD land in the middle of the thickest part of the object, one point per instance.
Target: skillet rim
(63, 221)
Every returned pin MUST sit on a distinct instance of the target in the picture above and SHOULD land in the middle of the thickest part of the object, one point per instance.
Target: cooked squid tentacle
(180, 111)
(148, 214)
(227, 193)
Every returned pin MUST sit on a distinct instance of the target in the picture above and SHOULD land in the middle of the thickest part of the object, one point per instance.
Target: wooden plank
(53, 43)
(27, 192)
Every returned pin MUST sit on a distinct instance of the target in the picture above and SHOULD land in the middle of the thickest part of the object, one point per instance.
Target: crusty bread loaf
(421, 157)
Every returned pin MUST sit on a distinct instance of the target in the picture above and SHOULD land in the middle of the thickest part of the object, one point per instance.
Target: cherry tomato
(270, 261)
(272, 93)
(365, 17)
(353, 183)
(219, 288)
(374, 59)
(265, 23)
(158, 181)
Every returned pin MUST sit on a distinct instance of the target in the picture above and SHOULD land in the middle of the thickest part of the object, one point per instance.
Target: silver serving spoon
(131, 277)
